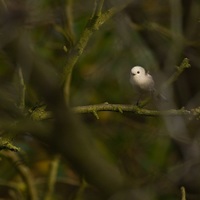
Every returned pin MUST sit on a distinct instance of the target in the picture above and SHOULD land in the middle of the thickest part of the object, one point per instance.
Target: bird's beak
(132, 73)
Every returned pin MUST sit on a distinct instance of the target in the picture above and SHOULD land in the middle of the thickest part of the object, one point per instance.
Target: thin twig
(183, 193)
(94, 9)
(99, 7)
(178, 40)
(24, 173)
(22, 89)
(74, 54)
(176, 17)
(112, 11)
(12, 186)
(4, 4)
(52, 177)
(121, 108)
(69, 16)
(180, 69)
(81, 190)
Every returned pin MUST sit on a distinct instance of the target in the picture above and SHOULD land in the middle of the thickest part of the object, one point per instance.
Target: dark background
(157, 155)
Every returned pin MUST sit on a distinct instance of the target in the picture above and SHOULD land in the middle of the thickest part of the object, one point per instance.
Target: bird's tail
(159, 96)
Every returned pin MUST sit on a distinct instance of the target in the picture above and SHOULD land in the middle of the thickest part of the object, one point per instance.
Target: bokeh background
(157, 155)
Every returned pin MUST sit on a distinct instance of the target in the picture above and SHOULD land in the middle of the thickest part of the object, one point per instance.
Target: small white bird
(143, 81)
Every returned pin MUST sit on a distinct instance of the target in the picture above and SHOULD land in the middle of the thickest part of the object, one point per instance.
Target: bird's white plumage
(141, 79)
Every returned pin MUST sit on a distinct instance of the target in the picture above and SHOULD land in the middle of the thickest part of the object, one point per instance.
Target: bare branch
(52, 177)
(122, 108)
(99, 7)
(24, 173)
(184, 65)
(22, 90)
(94, 9)
(4, 4)
(5, 144)
(69, 17)
(94, 23)
(183, 193)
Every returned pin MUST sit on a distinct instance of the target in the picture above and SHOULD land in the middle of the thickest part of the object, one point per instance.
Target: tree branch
(180, 69)
(4, 4)
(185, 64)
(135, 109)
(94, 23)
(5, 144)
(69, 18)
(24, 173)
(183, 193)
(122, 108)
(22, 90)
(13, 188)
(52, 177)
(99, 7)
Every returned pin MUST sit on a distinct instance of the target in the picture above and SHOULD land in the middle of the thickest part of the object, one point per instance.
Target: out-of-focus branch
(24, 173)
(183, 193)
(3, 2)
(14, 187)
(22, 90)
(99, 7)
(7, 145)
(67, 135)
(53, 169)
(69, 18)
(94, 23)
(176, 17)
(178, 40)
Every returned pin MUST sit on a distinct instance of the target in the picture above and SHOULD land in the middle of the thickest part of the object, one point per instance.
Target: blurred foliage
(156, 155)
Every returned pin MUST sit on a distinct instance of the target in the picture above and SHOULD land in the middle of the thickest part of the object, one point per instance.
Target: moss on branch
(123, 108)
(7, 145)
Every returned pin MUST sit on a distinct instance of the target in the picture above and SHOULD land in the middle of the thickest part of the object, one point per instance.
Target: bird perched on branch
(144, 83)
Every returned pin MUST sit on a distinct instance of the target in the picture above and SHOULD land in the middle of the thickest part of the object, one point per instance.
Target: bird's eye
(138, 72)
